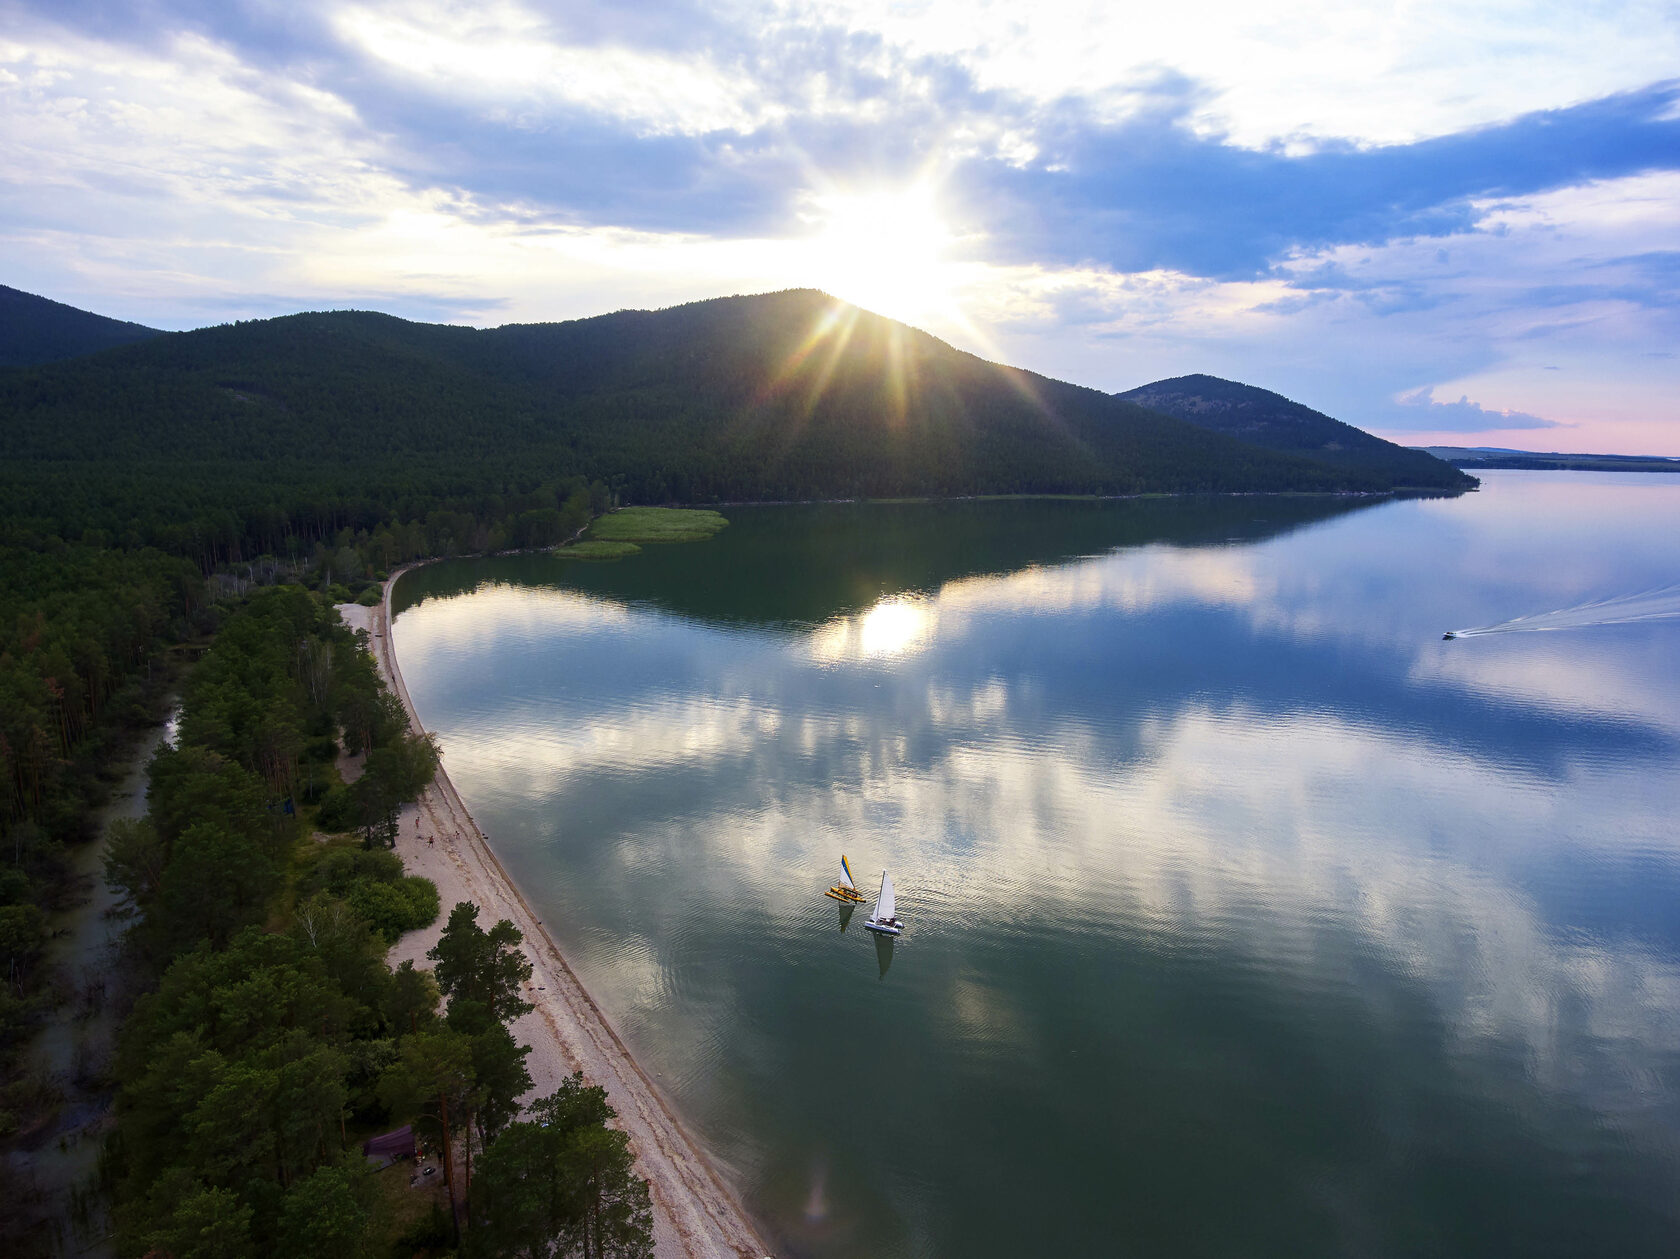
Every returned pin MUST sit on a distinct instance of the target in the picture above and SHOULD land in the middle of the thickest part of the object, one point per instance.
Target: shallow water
(1246, 916)
(77, 1039)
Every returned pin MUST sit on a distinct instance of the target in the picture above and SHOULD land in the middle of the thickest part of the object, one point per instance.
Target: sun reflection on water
(893, 627)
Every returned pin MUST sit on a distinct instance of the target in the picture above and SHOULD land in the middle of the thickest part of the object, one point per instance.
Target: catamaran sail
(882, 918)
(845, 890)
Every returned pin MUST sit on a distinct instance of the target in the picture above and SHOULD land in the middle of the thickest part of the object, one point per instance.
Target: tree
(23, 935)
(350, 953)
(410, 998)
(216, 882)
(134, 860)
(562, 1179)
(480, 969)
(436, 1068)
(500, 1078)
(323, 1215)
(612, 1214)
(395, 772)
(519, 1207)
(193, 784)
(609, 1214)
(204, 1224)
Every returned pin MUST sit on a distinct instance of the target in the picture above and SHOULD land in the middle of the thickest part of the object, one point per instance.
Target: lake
(1245, 915)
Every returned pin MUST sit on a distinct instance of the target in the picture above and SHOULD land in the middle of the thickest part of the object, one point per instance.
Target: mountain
(39, 330)
(1270, 420)
(357, 416)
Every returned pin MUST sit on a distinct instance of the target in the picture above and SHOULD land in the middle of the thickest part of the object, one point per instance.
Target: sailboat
(845, 891)
(881, 919)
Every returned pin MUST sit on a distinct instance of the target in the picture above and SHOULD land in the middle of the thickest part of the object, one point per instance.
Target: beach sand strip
(695, 1210)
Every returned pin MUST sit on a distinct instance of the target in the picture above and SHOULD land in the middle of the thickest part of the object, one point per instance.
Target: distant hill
(1537, 461)
(248, 428)
(39, 330)
(1270, 420)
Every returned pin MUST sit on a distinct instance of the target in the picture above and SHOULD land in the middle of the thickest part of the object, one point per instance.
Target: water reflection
(883, 953)
(764, 573)
(891, 627)
(1245, 903)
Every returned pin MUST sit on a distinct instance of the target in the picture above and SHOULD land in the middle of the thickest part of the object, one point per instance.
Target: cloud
(1463, 416)
(1271, 197)
(1150, 192)
(715, 123)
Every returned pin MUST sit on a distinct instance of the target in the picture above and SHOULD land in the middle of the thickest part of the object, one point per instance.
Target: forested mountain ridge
(39, 330)
(787, 395)
(1271, 420)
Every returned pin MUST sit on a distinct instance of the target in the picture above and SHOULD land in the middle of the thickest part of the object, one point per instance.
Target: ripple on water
(1244, 915)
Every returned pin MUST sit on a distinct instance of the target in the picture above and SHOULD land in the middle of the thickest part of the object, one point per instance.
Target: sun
(885, 249)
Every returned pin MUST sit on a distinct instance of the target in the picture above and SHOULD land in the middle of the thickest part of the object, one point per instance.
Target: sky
(1445, 221)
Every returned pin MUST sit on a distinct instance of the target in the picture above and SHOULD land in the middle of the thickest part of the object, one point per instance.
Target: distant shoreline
(1472, 458)
(1398, 491)
(697, 1213)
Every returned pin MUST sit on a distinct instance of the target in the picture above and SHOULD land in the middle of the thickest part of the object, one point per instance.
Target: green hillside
(39, 330)
(309, 423)
(1270, 420)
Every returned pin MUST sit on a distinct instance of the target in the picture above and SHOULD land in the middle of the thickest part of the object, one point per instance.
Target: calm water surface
(1246, 916)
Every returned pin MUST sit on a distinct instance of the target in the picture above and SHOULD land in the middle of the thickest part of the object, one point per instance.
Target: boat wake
(1662, 604)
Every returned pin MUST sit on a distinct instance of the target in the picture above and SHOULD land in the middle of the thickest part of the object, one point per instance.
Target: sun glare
(886, 250)
(893, 627)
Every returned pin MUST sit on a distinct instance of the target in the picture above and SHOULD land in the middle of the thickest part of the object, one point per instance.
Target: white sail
(884, 902)
(846, 875)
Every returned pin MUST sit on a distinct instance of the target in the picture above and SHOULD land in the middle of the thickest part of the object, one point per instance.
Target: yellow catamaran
(845, 891)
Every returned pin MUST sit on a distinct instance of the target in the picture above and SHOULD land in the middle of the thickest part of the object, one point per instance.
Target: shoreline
(696, 1212)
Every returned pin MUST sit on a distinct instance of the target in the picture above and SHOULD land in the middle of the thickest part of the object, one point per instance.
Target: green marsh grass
(656, 524)
(597, 549)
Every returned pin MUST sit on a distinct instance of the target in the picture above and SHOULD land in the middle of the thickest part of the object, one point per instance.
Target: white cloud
(505, 59)
(1374, 73)
(1464, 416)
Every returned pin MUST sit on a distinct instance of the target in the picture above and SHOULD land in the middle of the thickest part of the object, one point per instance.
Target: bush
(394, 908)
(430, 1232)
(338, 812)
(335, 870)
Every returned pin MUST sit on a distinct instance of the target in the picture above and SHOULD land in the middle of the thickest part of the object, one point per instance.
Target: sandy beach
(695, 1211)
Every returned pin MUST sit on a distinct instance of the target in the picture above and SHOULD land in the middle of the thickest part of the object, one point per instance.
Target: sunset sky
(1444, 222)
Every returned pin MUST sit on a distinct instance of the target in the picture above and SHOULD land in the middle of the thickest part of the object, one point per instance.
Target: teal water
(1246, 916)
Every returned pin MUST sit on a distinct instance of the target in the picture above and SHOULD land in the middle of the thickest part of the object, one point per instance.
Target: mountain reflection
(762, 569)
(1222, 871)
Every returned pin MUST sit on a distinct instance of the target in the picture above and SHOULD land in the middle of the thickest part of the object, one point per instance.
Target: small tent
(389, 1147)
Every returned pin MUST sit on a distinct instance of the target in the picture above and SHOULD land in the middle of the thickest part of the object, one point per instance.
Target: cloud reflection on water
(1202, 806)
(1240, 762)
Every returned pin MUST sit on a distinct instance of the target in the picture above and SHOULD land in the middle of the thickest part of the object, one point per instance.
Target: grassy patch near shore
(656, 524)
(597, 549)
